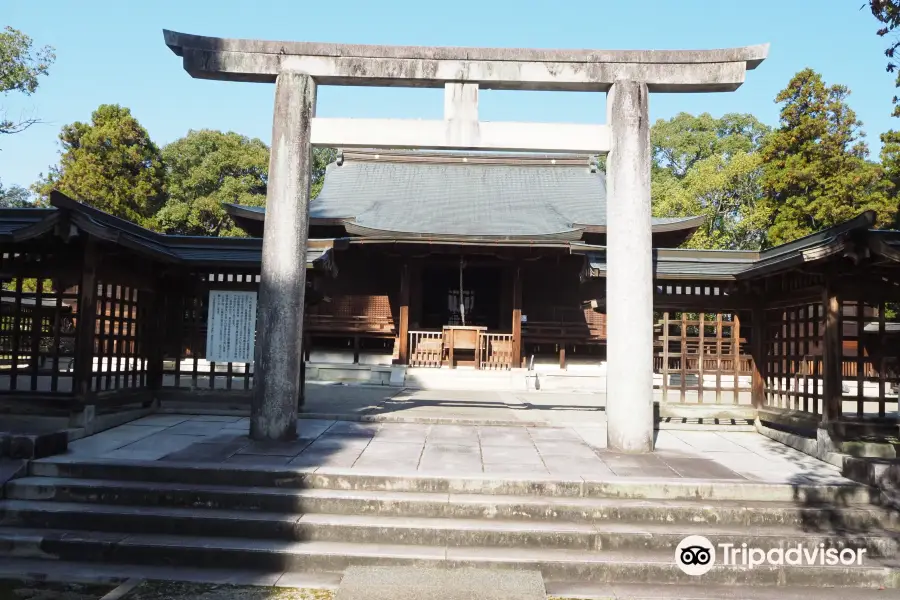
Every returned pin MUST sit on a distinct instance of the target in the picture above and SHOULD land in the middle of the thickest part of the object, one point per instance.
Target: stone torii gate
(626, 76)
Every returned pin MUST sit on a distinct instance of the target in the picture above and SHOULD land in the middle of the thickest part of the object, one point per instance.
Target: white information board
(231, 326)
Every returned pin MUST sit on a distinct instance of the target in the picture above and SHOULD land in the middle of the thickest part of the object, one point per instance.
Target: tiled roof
(836, 241)
(21, 224)
(676, 263)
(416, 194)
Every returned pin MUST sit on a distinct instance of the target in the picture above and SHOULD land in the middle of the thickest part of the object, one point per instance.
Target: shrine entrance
(479, 304)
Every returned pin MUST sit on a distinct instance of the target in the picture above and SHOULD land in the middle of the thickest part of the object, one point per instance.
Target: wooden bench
(343, 325)
(353, 327)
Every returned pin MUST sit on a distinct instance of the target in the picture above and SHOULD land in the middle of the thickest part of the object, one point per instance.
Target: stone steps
(555, 564)
(610, 531)
(429, 531)
(192, 474)
(447, 505)
(114, 574)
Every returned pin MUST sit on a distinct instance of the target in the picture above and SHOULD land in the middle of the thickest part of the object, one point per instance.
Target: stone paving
(577, 450)
(543, 407)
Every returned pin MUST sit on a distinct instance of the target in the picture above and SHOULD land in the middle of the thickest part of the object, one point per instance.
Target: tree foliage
(15, 197)
(205, 169)
(888, 14)
(679, 143)
(110, 163)
(815, 172)
(21, 66)
(711, 167)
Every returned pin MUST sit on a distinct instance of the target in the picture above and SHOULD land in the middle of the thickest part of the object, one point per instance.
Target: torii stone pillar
(283, 280)
(629, 271)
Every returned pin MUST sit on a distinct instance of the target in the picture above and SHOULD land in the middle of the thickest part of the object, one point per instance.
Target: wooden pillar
(701, 358)
(403, 329)
(415, 294)
(355, 349)
(87, 319)
(301, 396)
(156, 324)
(736, 347)
(664, 371)
(517, 317)
(758, 350)
(832, 355)
(562, 356)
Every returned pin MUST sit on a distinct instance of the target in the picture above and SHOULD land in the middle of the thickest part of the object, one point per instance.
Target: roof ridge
(448, 157)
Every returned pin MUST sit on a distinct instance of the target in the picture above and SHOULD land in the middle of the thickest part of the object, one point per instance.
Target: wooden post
(701, 358)
(301, 396)
(562, 356)
(87, 319)
(355, 349)
(449, 341)
(517, 317)
(415, 294)
(736, 341)
(477, 350)
(758, 350)
(684, 368)
(664, 371)
(37, 318)
(156, 328)
(403, 329)
(832, 354)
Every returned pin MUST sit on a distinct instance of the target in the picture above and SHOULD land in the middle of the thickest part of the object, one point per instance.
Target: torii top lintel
(491, 68)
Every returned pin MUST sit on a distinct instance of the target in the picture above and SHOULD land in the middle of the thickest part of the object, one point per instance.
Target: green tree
(205, 169)
(728, 192)
(322, 157)
(890, 163)
(111, 164)
(888, 14)
(21, 66)
(682, 141)
(711, 167)
(15, 197)
(816, 173)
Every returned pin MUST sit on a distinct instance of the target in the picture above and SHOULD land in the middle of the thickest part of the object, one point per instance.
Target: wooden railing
(496, 351)
(426, 348)
(711, 364)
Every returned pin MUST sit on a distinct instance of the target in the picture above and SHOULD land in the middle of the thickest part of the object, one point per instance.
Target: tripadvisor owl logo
(695, 555)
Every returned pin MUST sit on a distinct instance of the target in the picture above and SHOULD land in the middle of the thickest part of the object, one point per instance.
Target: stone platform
(442, 449)
(448, 482)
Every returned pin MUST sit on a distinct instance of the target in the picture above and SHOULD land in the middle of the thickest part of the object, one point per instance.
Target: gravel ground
(42, 590)
(168, 590)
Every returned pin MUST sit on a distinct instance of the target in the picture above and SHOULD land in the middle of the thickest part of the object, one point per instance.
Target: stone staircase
(574, 531)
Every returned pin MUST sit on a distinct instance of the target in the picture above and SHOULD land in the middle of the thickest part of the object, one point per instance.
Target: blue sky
(113, 52)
